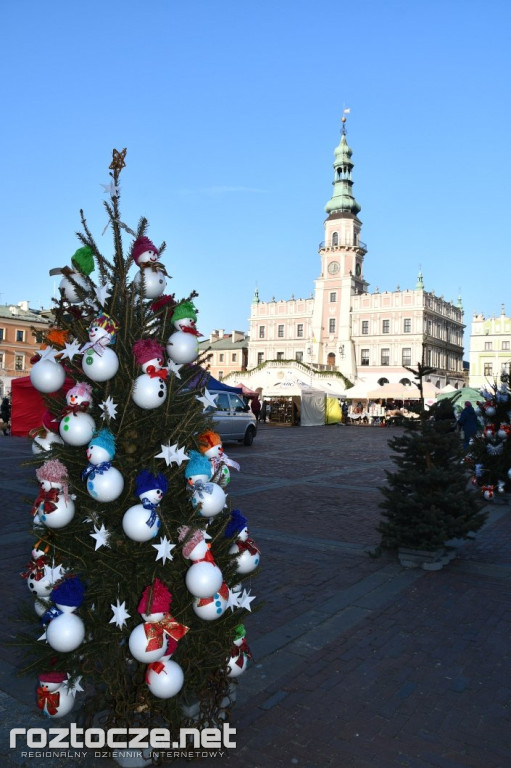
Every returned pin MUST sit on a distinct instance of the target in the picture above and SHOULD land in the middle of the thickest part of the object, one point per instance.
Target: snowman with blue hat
(248, 554)
(141, 521)
(208, 498)
(104, 481)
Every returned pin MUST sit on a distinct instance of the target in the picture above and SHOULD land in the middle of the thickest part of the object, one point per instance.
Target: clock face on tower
(333, 267)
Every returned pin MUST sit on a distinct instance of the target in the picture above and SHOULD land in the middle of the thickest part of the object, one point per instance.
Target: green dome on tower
(342, 200)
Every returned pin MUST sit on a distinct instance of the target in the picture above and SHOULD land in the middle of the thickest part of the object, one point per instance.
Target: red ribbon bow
(48, 701)
(47, 499)
(76, 408)
(223, 592)
(208, 558)
(35, 568)
(154, 631)
(155, 666)
(239, 651)
(155, 266)
(249, 545)
(190, 329)
(153, 372)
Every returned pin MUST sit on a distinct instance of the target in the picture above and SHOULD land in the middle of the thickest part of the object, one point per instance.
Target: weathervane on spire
(343, 119)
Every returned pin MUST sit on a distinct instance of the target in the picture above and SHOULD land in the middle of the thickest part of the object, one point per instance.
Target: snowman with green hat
(182, 344)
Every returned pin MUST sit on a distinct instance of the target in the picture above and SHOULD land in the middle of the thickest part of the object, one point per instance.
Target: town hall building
(368, 337)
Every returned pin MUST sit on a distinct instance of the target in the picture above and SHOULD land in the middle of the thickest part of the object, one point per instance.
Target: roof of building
(224, 342)
(21, 311)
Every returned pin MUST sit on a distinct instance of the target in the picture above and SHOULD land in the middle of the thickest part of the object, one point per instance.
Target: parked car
(233, 419)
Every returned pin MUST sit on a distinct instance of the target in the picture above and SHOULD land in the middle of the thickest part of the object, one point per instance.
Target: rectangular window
(505, 345)
(385, 328)
(407, 356)
(407, 325)
(233, 357)
(19, 362)
(333, 296)
(1, 359)
(365, 327)
(261, 331)
(299, 357)
(488, 345)
(2, 334)
(488, 369)
(221, 357)
(280, 355)
(364, 357)
(260, 357)
(220, 375)
(385, 357)
(331, 325)
(280, 331)
(20, 335)
(299, 330)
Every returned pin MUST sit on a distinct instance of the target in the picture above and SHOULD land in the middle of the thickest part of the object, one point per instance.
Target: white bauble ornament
(66, 632)
(165, 679)
(66, 700)
(77, 428)
(154, 283)
(68, 290)
(41, 443)
(135, 525)
(138, 643)
(209, 503)
(100, 367)
(235, 670)
(203, 579)
(149, 392)
(182, 347)
(488, 494)
(210, 608)
(106, 487)
(47, 376)
(490, 411)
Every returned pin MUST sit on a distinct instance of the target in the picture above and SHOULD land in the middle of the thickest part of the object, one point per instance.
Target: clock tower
(342, 259)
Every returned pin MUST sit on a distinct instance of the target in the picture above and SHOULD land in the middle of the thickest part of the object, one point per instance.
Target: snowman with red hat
(77, 425)
(54, 506)
(150, 390)
(150, 280)
(54, 698)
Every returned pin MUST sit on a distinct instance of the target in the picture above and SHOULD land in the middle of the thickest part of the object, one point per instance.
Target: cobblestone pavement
(358, 662)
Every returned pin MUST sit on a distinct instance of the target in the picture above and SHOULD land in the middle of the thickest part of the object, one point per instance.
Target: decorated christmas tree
(489, 452)
(426, 500)
(139, 564)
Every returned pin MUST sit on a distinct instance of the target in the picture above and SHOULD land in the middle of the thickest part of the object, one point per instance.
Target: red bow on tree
(47, 701)
(190, 329)
(76, 408)
(48, 499)
(154, 631)
(239, 651)
(153, 372)
(249, 545)
(155, 266)
(35, 568)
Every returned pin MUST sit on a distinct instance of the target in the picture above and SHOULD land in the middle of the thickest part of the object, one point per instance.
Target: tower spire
(342, 200)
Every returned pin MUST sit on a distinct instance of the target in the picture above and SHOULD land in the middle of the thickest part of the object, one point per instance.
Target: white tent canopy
(312, 400)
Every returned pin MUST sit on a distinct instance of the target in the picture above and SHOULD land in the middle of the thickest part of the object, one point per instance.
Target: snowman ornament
(40, 576)
(141, 521)
(65, 630)
(159, 634)
(46, 436)
(208, 498)
(54, 506)
(149, 389)
(77, 425)
(211, 608)
(247, 553)
(75, 277)
(203, 578)
(240, 653)
(210, 444)
(182, 344)
(99, 362)
(54, 698)
(150, 281)
(104, 482)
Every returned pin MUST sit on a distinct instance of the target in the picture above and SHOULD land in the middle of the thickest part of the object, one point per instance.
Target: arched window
(405, 382)
(383, 381)
(335, 238)
(330, 359)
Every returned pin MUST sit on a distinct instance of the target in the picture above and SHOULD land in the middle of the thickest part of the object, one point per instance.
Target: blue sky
(230, 113)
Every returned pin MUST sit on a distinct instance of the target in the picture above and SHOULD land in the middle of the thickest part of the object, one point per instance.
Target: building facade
(227, 352)
(490, 349)
(368, 337)
(19, 329)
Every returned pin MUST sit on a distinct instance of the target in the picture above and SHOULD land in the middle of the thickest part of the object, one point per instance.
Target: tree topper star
(120, 614)
(164, 548)
(207, 399)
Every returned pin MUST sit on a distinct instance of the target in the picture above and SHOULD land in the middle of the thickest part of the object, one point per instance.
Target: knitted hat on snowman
(147, 349)
(81, 389)
(208, 440)
(236, 524)
(239, 632)
(145, 481)
(105, 439)
(45, 678)
(190, 543)
(107, 323)
(53, 471)
(140, 246)
(197, 465)
(184, 310)
(83, 260)
(156, 598)
(69, 592)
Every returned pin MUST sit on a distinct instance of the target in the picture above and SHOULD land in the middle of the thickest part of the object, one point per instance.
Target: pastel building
(20, 327)
(368, 337)
(490, 349)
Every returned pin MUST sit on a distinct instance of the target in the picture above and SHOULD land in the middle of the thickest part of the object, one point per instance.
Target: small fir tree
(426, 500)
(137, 549)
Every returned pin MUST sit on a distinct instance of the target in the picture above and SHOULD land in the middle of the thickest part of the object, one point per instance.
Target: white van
(233, 419)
